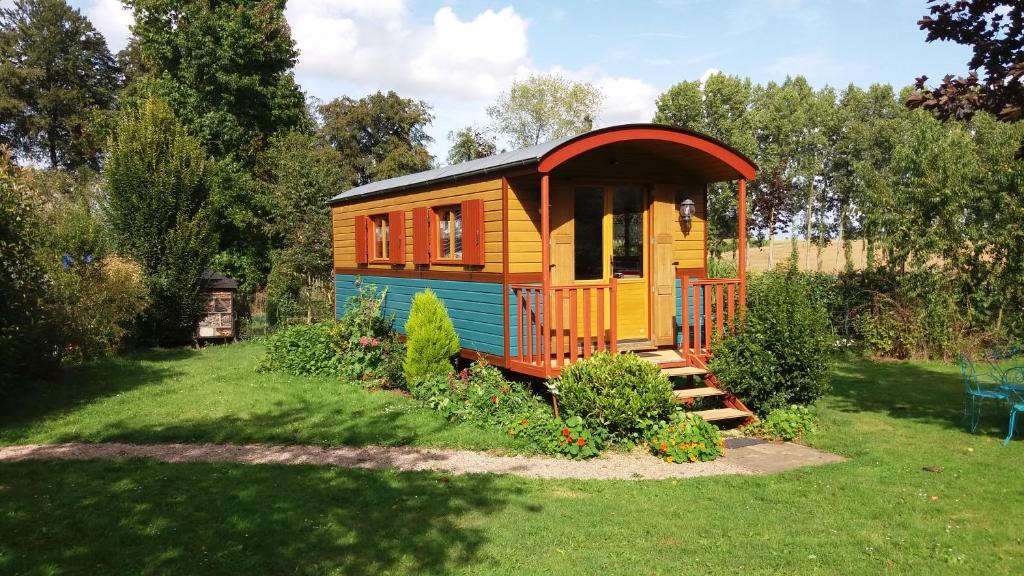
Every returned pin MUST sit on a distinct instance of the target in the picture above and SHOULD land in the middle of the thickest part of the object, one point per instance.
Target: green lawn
(879, 513)
(214, 395)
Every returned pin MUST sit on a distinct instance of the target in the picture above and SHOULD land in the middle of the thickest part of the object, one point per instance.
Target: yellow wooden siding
(343, 222)
(524, 229)
(689, 246)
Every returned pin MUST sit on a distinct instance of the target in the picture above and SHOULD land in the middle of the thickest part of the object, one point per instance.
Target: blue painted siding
(476, 308)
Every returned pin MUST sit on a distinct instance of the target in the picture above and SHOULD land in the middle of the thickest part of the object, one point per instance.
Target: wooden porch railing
(582, 321)
(710, 307)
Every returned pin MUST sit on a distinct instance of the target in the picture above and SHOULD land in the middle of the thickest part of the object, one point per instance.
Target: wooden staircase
(684, 373)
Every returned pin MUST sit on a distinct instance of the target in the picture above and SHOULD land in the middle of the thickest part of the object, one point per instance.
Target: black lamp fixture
(686, 209)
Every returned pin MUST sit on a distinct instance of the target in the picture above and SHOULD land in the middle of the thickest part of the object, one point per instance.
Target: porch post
(545, 264)
(742, 240)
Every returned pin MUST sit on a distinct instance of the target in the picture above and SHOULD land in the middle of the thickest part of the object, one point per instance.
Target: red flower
(494, 399)
(525, 422)
(581, 442)
(565, 432)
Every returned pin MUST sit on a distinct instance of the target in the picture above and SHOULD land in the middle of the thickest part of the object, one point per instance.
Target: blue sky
(459, 55)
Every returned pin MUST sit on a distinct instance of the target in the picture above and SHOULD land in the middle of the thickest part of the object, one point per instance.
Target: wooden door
(626, 237)
(664, 221)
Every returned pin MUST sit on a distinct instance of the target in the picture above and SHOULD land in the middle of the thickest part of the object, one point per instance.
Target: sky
(458, 55)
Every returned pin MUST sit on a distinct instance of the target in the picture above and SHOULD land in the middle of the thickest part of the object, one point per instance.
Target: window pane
(444, 228)
(628, 232)
(458, 232)
(588, 212)
(380, 237)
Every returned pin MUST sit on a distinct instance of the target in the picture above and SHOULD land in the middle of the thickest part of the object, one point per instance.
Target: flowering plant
(686, 437)
(364, 340)
(577, 441)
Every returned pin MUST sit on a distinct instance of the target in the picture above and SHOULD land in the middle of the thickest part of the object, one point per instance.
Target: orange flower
(581, 442)
(494, 399)
(565, 432)
(663, 447)
(525, 422)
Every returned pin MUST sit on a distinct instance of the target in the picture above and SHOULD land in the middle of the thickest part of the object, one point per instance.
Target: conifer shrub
(432, 340)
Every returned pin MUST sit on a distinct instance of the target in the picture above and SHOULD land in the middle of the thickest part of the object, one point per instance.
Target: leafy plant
(787, 424)
(303, 349)
(432, 340)
(781, 352)
(621, 392)
(686, 437)
(365, 342)
(577, 441)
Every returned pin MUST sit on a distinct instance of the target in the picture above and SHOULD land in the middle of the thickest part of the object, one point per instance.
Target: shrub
(621, 392)
(686, 437)
(304, 349)
(781, 352)
(365, 342)
(432, 340)
(481, 395)
(787, 424)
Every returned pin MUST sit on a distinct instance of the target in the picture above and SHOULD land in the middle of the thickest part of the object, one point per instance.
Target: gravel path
(749, 457)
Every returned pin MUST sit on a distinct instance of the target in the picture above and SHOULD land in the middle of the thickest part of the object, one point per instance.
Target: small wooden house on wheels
(547, 254)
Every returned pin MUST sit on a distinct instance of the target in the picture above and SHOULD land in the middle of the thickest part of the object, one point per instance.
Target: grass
(214, 395)
(878, 513)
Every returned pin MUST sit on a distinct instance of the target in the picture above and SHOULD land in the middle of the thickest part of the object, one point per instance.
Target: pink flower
(363, 341)
(373, 343)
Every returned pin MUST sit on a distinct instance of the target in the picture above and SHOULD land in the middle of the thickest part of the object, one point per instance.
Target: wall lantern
(686, 208)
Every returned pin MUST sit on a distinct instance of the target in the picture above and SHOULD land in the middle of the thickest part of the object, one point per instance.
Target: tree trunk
(771, 238)
(807, 232)
(840, 240)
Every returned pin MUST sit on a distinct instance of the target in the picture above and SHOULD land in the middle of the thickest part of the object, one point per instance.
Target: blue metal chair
(1016, 407)
(976, 392)
(1013, 385)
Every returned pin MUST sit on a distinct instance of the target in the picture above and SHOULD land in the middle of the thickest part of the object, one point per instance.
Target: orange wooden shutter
(362, 235)
(396, 225)
(421, 235)
(473, 232)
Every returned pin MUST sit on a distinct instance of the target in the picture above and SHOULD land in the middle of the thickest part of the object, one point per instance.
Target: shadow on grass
(926, 393)
(75, 386)
(138, 517)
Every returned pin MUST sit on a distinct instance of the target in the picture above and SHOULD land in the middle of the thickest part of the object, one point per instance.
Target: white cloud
(112, 19)
(627, 100)
(818, 67)
(708, 74)
(473, 58)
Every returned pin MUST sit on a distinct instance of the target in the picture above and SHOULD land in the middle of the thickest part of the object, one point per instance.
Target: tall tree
(55, 73)
(545, 107)
(299, 173)
(995, 31)
(470, 143)
(158, 183)
(379, 136)
(225, 67)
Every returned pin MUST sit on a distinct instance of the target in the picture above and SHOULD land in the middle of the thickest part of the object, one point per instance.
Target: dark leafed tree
(995, 31)
(225, 67)
(379, 136)
(470, 143)
(55, 74)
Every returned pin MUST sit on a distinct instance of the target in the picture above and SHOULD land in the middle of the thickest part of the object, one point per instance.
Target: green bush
(304, 349)
(432, 340)
(787, 424)
(481, 395)
(365, 342)
(622, 392)
(686, 437)
(781, 352)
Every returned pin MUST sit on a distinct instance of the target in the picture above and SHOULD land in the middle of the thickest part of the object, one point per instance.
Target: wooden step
(683, 371)
(664, 356)
(705, 392)
(721, 414)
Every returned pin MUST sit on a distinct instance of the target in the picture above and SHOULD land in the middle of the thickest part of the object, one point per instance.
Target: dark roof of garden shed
(533, 156)
(213, 280)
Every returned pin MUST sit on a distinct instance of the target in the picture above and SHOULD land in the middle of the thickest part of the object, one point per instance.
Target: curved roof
(731, 163)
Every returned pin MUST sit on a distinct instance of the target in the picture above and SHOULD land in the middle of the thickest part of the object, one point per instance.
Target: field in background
(757, 256)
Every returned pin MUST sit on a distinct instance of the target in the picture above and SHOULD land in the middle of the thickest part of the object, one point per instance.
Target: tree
(56, 72)
(545, 107)
(158, 182)
(224, 67)
(25, 343)
(470, 143)
(993, 29)
(299, 173)
(379, 136)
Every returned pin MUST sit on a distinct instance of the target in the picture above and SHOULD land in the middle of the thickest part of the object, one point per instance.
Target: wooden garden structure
(548, 254)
